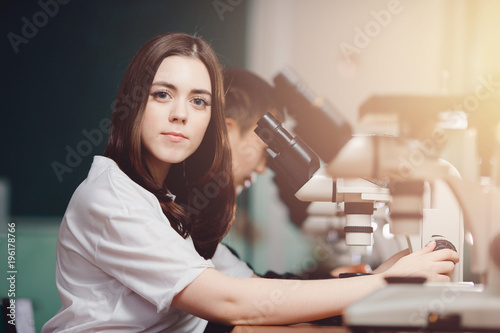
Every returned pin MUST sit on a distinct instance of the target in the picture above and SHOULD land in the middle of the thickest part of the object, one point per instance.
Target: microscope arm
(321, 187)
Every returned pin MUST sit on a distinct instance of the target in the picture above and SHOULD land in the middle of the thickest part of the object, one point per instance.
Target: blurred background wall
(348, 50)
(62, 62)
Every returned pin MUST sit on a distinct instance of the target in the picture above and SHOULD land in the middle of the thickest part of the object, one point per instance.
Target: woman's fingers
(428, 248)
(440, 278)
(445, 254)
(440, 264)
(444, 267)
(437, 271)
(434, 265)
(439, 255)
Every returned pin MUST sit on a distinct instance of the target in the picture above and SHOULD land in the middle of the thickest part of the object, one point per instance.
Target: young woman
(138, 248)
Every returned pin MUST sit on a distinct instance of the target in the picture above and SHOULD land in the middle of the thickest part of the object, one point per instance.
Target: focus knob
(444, 244)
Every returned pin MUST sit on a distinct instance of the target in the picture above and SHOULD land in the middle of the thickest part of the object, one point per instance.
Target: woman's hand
(435, 266)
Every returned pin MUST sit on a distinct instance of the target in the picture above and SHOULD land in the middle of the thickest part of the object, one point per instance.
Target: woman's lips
(175, 137)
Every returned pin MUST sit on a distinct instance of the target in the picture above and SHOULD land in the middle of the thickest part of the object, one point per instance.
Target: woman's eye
(161, 95)
(200, 102)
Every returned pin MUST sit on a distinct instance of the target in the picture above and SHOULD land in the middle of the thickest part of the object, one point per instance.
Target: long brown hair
(203, 183)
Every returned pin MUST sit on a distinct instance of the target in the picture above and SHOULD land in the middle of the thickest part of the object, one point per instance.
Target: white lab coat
(120, 263)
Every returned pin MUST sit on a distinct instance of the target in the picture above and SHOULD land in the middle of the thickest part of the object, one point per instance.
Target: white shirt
(120, 263)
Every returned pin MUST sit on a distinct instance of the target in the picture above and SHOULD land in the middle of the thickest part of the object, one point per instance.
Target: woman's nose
(178, 113)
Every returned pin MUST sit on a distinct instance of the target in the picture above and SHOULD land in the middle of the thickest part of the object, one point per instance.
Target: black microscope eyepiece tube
(272, 133)
(290, 155)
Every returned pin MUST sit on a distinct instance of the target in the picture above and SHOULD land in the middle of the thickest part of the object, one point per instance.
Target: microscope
(292, 157)
(428, 199)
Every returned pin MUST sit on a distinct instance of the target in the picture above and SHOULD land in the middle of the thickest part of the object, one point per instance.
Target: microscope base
(451, 307)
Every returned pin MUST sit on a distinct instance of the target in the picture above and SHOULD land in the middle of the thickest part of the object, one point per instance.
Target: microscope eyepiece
(270, 130)
(289, 155)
